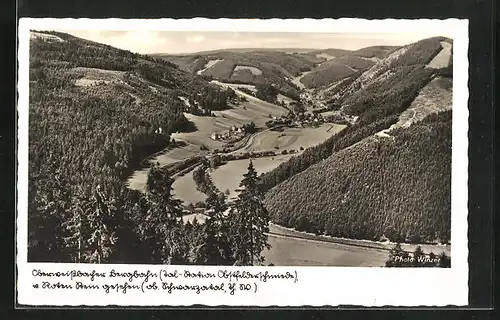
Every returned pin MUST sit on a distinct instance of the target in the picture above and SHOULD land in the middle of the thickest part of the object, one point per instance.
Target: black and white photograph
(240, 148)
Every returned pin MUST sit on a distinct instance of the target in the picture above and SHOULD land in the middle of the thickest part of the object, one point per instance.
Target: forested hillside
(95, 111)
(379, 52)
(326, 74)
(414, 55)
(342, 65)
(377, 104)
(366, 186)
(396, 187)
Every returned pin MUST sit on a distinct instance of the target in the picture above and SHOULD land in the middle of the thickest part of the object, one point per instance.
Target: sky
(176, 42)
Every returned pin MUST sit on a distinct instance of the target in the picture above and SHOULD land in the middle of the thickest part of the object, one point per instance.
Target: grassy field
(376, 245)
(292, 138)
(245, 113)
(254, 110)
(285, 99)
(442, 59)
(93, 76)
(185, 189)
(205, 126)
(293, 248)
(209, 65)
(229, 175)
(137, 181)
(287, 251)
(253, 70)
(325, 56)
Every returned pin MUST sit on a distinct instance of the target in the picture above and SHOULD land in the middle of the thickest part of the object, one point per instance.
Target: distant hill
(418, 54)
(334, 53)
(256, 67)
(239, 50)
(335, 69)
(330, 71)
(342, 64)
(318, 67)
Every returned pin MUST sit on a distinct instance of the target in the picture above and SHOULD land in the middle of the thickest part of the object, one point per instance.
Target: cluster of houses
(231, 134)
(305, 120)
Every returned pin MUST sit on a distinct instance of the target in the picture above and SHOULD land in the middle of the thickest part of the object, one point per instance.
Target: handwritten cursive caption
(168, 281)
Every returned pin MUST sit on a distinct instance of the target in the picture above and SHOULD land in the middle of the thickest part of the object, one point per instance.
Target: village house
(215, 136)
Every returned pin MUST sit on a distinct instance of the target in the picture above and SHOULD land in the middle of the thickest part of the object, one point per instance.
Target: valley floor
(293, 248)
(228, 176)
(292, 251)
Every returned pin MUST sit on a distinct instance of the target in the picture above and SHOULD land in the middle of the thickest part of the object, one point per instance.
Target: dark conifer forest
(84, 140)
(399, 189)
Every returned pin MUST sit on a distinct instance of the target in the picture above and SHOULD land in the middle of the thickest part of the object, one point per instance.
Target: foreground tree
(214, 247)
(161, 213)
(396, 254)
(47, 205)
(89, 231)
(76, 228)
(102, 226)
(249, 221)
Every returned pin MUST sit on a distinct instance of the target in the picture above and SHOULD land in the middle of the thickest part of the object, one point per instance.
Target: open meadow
(288, 251)
(185, 189)
(137, 181)
(294, 248)
(228, 176)
(292, 138)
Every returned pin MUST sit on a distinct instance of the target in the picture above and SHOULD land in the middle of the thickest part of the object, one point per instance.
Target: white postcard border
(316, 286)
